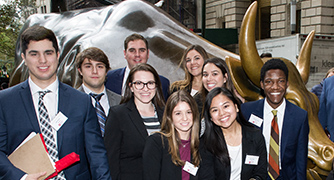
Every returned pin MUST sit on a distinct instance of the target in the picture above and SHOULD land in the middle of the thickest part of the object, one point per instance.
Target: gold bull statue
(107, 27)
(246, 78)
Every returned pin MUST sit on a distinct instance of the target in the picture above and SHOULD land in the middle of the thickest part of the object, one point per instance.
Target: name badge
(58, 121)
(251, 160)
(190, 168)
(255, 120)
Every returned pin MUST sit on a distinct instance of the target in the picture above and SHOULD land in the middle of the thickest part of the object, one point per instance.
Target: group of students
(199, 133)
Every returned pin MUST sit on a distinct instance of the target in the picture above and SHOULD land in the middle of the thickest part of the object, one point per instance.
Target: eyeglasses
(140, 85)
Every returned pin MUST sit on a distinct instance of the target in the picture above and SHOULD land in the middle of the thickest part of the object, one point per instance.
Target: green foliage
(9, 27)
(12, 16)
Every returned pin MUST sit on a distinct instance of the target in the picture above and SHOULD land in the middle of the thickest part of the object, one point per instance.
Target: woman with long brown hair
(168, 153)
(192, 61)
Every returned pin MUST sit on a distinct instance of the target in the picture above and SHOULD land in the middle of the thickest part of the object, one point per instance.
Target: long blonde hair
(188, 78)
(169, 131)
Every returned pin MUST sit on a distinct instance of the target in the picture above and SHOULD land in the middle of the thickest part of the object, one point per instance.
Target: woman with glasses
(129, 123)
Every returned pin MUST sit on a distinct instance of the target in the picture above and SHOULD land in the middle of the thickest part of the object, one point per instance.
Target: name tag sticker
(190, 168)
(251, 160)
(58, 121)
(255, 120)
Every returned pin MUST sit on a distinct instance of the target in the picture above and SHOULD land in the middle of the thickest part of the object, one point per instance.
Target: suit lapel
(286, 131)
(246, 142)
(118, 82)
(259, 111)
(136, 119)
(63, 106)
(110, 97)
(26, 97)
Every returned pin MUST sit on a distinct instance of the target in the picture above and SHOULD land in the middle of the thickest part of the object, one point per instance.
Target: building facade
(276, 18)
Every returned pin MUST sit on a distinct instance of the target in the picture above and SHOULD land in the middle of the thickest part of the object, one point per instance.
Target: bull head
(246, 77)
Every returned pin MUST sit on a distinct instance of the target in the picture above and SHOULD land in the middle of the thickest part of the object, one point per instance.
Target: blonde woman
(192, 61)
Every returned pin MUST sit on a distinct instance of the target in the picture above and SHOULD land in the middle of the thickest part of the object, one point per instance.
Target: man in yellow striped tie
(284, 125)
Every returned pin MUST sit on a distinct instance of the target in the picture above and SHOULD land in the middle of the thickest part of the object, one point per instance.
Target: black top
(158, 165)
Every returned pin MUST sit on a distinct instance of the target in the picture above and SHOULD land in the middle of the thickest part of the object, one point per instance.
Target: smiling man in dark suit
(32, 105)
(291, 123)
(135, 51)
(93, 66)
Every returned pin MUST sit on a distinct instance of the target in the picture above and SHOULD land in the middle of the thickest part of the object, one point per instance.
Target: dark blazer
(252, 144)
(115, 77)
(157, 161)
(294, 142)
(113, 98)
(326, 109)
(79, 134)
(124, 138)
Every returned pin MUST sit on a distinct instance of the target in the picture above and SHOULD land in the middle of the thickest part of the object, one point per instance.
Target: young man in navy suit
(32, 105)
(135, 51)
(292, 121)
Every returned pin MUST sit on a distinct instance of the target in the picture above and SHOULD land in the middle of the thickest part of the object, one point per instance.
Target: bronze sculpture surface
(107, 27)
(246, 76)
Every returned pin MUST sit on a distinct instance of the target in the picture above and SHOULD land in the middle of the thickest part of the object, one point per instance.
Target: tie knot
(43, 93)
(97, 97)
(274, 112)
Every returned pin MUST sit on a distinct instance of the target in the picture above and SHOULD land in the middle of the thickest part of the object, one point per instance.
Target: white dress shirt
(267, 118)
(103, 101)
(50, 101)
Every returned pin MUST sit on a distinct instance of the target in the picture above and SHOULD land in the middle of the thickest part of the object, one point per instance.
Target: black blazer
(124, 138)
(252, 144)
(157, 161)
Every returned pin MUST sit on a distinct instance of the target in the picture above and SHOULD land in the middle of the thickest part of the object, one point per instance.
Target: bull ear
(304, 58)
(250, 59)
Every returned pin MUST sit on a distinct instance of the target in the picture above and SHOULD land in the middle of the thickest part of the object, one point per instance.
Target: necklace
(185, 143)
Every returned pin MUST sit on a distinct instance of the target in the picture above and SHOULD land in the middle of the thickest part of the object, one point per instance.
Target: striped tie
(47, 133)
(274, 148)
(101, 116)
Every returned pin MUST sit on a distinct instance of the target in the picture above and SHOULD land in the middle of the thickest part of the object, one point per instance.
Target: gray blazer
(113, 98)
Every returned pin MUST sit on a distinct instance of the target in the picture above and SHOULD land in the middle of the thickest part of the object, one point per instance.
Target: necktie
(274, 148)
(46, 129)
(101, 116)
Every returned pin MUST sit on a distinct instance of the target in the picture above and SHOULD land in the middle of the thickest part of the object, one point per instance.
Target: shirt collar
(53, 87)
(268, 108)
(88, 91)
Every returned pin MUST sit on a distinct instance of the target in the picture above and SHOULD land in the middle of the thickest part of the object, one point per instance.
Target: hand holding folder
(32, 157)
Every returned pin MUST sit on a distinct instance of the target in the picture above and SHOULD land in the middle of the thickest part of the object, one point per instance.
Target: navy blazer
(326, 109)
(294, 137)
(115, 78)
(124, 138)
(79, 134)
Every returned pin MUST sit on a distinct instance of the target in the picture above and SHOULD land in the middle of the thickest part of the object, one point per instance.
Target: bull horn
(304, 58)
(250, 59)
